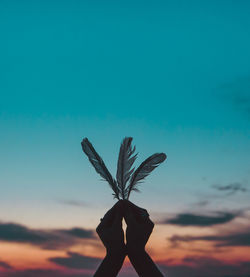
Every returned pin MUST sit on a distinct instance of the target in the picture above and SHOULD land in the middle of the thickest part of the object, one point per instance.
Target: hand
(110, 231)
(139, 227)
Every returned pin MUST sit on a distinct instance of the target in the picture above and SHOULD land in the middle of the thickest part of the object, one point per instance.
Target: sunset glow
(175, 76)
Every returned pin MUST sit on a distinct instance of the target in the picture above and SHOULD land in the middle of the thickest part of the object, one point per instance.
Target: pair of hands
(138, 231)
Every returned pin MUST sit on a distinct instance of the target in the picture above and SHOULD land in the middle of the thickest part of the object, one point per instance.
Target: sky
(175, 76)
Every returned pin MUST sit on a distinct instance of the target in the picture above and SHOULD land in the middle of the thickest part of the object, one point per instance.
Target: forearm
(143, 264)
(110, 265)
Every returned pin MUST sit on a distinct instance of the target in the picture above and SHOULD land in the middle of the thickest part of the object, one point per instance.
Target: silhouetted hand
(139, 227)
(111, 234)
(110, 230)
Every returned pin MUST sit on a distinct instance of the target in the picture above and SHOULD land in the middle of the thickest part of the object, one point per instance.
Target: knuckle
(152, 225)
(97, 229)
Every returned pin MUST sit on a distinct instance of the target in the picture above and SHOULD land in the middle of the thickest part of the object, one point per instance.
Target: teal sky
(175, 75)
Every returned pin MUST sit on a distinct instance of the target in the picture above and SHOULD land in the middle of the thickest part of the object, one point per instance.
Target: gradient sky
(174, 75)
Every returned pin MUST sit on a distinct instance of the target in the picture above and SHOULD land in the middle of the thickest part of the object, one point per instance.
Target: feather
(99, 165)
(144, 170)
(124, 164)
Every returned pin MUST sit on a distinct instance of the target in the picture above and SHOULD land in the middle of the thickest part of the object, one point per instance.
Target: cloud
(47, 239)
(241, 100)
(237, 93)
(189, 219)
(78, 232)
(235, 239)
(193, 266)
(75, 203)
(231, 188)
(5, 265)
(44, 273)
(19, 233)
(76, 261)
(202, 203)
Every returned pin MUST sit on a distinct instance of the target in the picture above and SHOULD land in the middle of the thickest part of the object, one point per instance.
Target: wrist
(135, 250)
(111, 264)
(116, 254)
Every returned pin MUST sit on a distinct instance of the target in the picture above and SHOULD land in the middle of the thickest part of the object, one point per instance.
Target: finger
(129, 217)
(140, 213)
(135, 208)
(132, 205)
(129, 214)
(118, 218)
(98, 228)
(149, 224)
(109, 216)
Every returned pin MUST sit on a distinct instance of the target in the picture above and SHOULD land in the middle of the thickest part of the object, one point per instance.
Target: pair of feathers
(125, 173)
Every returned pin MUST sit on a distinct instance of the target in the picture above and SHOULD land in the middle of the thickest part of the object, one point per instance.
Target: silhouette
(125, 173)
(139, 229)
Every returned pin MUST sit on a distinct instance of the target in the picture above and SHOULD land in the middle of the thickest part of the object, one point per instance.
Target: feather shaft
(144, 170)
(124, 164)
(99, 165)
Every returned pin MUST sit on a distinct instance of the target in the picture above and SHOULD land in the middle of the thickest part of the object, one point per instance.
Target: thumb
(129, 216)
(118, 218)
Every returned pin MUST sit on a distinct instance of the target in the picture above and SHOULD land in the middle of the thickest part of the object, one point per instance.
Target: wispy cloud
(191, 266)
(5, 265)
(233, 239)
(76, 261)
(238, 94)
(71, 202)
(241, 101)
(230, 188)
(194, 266)
(202, 203)
(47, 239)
(218, 194)
(192, 219)
(78, 232)
(39, 272)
